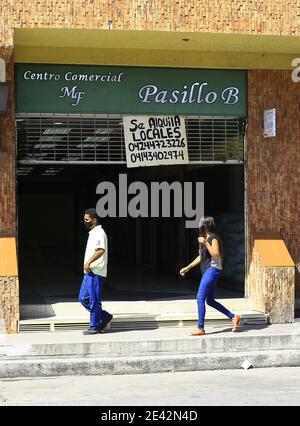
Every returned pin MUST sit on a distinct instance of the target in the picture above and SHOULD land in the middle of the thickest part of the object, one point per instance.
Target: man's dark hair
(93, 213)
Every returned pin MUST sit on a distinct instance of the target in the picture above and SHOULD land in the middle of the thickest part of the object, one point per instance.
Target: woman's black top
(206, 259)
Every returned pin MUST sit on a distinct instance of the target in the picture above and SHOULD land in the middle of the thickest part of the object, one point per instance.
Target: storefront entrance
(73, 138)
(145, 253)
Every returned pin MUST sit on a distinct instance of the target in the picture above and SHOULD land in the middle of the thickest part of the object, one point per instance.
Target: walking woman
(210, 260)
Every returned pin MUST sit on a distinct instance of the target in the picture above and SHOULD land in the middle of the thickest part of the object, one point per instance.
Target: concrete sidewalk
(254, 387)
(148, 351)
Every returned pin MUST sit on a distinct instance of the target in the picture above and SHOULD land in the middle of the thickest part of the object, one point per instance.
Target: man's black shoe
(91, 330)
(105, 322)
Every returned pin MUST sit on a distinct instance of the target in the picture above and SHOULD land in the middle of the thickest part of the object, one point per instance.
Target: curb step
(208, 344)
(147, 364)
(106, 356)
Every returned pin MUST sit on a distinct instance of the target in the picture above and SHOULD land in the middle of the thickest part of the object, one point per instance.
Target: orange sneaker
(199, 332)
(235, 321)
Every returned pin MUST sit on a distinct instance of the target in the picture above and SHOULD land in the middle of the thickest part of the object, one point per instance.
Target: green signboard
(85, 89)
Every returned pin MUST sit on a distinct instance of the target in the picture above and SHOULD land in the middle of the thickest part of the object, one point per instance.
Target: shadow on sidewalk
(242, 329)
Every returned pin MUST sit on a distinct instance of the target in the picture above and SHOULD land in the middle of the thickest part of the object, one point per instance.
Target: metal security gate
(84, 139)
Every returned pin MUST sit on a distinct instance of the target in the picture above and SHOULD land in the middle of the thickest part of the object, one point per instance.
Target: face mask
(88, 225)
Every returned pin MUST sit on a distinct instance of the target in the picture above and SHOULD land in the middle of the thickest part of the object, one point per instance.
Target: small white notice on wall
(155, 140)
(269, 123)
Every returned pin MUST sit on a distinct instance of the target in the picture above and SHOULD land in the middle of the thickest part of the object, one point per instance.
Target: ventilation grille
(34, 327)
(134, 324)
(59, 139)
(43, 326)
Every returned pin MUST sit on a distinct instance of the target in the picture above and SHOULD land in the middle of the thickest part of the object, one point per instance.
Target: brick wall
(273, 163)
(229, 16)
(9, 286)
(7, 157)
(272, 289)
(257, 289)
(9, 304)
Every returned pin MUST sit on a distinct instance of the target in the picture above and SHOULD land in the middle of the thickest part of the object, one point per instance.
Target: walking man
(95, 271)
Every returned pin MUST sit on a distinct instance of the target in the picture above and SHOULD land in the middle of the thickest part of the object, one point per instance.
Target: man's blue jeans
(90, 298)
(206, 293)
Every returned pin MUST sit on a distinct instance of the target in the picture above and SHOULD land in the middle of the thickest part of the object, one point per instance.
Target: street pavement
(252, 387)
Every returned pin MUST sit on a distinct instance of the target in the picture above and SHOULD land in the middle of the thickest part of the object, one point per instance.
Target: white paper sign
(269, 123)
(155, 140)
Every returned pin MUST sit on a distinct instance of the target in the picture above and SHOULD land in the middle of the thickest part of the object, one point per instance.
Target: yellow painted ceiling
(155, 48)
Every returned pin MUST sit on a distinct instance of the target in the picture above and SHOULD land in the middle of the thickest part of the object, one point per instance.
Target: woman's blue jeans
(206, 294)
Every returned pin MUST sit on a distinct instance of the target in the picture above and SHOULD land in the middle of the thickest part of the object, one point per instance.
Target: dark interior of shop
(145, 254)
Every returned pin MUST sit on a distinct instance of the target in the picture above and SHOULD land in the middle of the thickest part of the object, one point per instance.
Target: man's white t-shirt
(97, 240)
